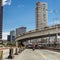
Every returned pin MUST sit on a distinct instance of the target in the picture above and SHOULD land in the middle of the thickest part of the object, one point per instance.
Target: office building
(20, 30)
(1, 12)
(12, 36)
(8, 38)
(41, 15)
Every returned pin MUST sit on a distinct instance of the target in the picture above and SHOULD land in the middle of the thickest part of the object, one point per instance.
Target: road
(29, 54)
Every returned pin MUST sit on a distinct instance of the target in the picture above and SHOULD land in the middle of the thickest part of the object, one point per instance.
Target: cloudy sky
(17, 13)
(6, 2)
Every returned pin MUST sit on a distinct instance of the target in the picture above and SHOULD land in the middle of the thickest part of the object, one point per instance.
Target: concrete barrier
(11, 51)
(16, 51)
(11, 54)
(19, 50)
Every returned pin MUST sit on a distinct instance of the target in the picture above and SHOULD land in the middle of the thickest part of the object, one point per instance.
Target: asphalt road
(29, 54)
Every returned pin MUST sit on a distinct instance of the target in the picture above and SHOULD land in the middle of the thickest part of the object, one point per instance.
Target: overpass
(47, 31)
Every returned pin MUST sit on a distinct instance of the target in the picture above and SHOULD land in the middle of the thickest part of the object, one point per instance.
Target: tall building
(41, 15)
(12, 36)
(1, 12)
(8, 38)
(20, 30)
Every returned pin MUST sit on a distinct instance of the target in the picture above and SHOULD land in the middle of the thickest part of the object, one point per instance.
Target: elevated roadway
(47, 31)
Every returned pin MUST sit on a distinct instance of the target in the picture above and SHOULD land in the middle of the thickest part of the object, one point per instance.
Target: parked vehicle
(29, 46)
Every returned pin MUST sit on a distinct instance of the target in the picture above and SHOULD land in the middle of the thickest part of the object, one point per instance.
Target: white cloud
(6, 2)
(57, 21)
(4, 35)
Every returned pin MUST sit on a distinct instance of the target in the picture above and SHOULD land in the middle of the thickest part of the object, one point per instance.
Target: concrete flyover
(47, 31)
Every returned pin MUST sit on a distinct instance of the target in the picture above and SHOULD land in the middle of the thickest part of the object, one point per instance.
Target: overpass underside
(37, 37)
(49, 35)
(46, 40)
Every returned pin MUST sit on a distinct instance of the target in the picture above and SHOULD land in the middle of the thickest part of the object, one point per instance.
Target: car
(39, 47)
(29, 46)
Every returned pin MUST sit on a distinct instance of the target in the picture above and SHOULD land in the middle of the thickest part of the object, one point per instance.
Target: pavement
(29, 54)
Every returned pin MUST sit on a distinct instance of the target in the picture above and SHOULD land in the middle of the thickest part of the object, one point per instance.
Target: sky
(18, 13)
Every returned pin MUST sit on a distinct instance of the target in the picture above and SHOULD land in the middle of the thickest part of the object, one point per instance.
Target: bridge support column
(47, 42)
(56, 40)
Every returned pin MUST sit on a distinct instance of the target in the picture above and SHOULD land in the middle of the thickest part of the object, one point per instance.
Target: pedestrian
(33, 46)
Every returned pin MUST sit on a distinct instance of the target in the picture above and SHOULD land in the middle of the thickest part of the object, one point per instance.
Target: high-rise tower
(1, 10)
(41, 15)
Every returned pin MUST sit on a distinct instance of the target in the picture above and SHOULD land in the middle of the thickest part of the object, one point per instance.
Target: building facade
(8, 38)
(41, 15)
(20, 30)
(12, 36)
(1, 12)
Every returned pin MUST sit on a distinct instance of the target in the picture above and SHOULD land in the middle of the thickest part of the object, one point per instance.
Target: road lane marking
(43, 56)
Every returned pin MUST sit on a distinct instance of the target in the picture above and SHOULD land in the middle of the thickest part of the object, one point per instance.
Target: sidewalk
(16, 57)
(27, 54)
(6, 54)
